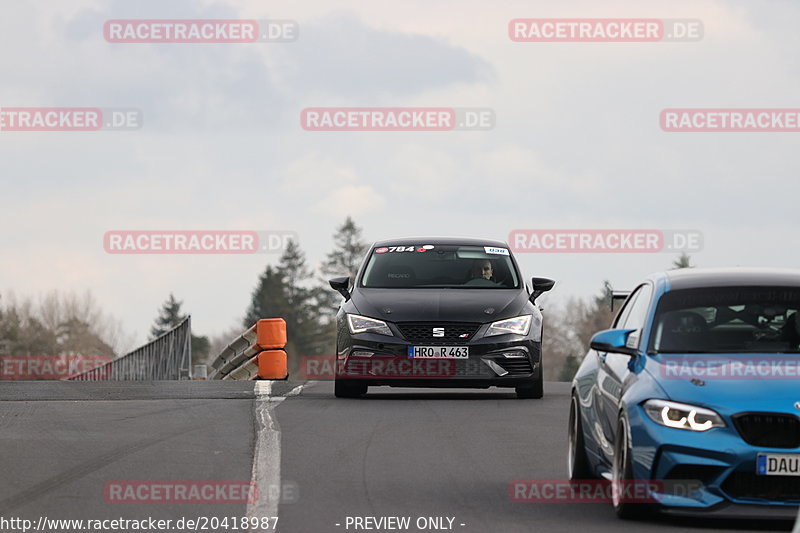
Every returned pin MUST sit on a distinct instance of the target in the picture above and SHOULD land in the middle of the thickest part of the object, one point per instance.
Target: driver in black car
(482, 268)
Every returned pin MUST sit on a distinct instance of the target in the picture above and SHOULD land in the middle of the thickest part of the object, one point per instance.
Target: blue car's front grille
(750, 486)
(769, 430)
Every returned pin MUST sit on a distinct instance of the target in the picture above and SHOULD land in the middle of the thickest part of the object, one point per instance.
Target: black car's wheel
(535, 389)
(577, 463)
(345, 388)
(622, 476)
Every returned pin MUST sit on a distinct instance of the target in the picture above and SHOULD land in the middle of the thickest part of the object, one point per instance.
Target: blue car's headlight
(682, 416)
(364, 324)
(519, 325)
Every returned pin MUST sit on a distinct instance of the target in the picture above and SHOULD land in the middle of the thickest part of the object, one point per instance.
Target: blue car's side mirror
(613, 340)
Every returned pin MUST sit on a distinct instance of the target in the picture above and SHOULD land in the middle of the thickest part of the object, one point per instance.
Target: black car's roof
(443, 241)
(690, 278)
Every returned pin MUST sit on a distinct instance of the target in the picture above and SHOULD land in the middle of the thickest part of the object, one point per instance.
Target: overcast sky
(577, 141)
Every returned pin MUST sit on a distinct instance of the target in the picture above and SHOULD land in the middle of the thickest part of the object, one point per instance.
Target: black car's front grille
(451, 333)
(516, 366)
(750, 486)
(772, 430)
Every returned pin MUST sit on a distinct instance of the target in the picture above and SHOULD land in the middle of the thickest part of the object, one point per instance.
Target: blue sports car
(695, 394)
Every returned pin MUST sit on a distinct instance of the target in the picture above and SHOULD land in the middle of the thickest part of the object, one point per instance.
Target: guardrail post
(259, 352)
(271, 336)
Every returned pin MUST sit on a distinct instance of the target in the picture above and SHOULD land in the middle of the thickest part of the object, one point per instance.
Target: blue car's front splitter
(710, 473)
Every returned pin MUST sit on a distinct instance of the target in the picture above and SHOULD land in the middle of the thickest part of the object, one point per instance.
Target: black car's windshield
(728, 319)
(436, 266)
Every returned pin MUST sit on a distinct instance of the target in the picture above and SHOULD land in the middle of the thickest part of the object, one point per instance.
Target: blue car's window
(429, 266)
(728, 320)
(632, 316)
(623, 312)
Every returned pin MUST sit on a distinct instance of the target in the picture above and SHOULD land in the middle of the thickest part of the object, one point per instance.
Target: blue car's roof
(691, 278)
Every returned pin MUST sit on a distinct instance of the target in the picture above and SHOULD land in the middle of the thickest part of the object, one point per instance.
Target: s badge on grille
(797, 405)
(438, 332)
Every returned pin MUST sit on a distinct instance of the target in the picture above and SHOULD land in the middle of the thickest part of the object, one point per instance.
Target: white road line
(266, 474)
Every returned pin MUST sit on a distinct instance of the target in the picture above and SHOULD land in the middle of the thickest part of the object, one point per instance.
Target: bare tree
(569, 329)
(60, 323)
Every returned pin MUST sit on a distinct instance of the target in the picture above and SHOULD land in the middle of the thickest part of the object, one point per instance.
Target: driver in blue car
(790, 332)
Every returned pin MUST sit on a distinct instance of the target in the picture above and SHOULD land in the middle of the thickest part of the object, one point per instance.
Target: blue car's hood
(711, 384)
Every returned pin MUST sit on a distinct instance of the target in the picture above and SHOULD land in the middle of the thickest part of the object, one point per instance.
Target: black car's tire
(533, 390)
(622, 475)
(577, 462)
(345, 388)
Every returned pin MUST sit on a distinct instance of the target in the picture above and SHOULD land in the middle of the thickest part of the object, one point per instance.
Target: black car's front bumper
(500, 361)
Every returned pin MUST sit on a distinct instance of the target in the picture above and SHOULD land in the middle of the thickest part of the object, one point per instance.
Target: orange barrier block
(272, 365)
(271, 333)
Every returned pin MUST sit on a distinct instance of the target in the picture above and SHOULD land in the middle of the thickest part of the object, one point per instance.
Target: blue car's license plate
(778, 464)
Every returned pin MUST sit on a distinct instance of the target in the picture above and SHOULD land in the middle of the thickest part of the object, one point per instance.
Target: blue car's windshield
(728, 319)
(437, 266)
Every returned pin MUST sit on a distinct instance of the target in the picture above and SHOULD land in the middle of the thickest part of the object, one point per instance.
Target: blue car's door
(614, 374)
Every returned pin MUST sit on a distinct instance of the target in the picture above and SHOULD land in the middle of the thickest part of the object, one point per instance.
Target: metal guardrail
(168, 357)
(258, 352)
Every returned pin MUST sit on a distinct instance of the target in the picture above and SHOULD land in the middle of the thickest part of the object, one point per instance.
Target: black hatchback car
(439, 312)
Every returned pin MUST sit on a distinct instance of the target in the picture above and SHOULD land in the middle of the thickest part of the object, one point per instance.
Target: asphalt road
(396, 453)
(423, 453)
(57, 454)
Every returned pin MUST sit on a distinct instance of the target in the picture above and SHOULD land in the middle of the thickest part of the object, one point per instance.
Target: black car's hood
(445, 305)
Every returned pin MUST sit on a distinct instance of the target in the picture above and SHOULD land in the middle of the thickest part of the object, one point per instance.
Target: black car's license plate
(438, 352)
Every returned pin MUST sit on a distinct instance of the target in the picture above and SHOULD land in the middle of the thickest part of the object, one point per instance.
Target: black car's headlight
(364, 324)
(682, 416)
(519, 325)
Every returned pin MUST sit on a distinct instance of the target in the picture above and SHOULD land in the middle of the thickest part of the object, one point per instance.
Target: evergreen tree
(348, 251)
(343, 260)
(284, 292)
(169, 317)
(268, 299)
(683, 261)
